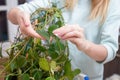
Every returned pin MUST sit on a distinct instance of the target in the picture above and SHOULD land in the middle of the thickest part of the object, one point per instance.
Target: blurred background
(7, 29)
(8, 32)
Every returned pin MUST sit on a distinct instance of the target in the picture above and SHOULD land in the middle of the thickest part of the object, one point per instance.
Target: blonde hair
(98, 8)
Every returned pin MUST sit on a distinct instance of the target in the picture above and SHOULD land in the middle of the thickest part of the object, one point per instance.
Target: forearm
(12, 15)
(95, 51)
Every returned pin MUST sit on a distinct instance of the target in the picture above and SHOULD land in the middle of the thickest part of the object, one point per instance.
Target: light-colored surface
(11, 28)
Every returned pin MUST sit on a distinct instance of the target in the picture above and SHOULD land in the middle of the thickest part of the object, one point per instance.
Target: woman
(91, 30)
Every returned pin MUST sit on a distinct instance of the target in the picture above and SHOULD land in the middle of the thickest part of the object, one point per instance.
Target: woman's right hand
(22, 18)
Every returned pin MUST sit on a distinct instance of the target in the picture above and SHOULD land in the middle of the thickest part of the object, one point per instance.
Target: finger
(66, 29)
(57, 32)
(73, 40)
(73, 34)
(31, 32)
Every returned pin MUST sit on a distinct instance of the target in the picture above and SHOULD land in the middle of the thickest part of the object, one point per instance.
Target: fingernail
(53, 32)
(57, 35)
(66, 24)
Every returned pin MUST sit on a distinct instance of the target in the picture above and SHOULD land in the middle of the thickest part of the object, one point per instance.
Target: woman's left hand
(73, 33)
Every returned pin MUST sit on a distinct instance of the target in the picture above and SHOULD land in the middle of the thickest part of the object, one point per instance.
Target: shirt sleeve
(30, 7)
(110, 30)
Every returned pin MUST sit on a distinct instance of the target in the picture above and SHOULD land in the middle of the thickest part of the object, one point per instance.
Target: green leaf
(60, 46)
(52, 53)
(59, 23)
(51, 28)
(0, 51)
(8, 77)
(53, 65)
(40, 48)
(49, 78)
(62, 58)
(13, 66)
(44, 34)
(28, 46)
(32, 54)
(20, 61)
(37, 74)
(24, 77)
(67, 67)
(76, 72)
(37, 41)
(44, 64)
(57, 15)
(68, 70)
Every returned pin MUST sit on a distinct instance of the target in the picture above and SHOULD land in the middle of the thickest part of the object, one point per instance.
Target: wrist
(86, 46)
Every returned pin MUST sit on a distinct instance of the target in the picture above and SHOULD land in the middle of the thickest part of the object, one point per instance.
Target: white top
(106, 34)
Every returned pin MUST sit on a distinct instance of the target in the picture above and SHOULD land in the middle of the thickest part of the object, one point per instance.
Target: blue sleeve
(110, 30)
(30, 7)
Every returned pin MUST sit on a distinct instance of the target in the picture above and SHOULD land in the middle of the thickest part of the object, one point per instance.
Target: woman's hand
(22, 18)
(73, 33)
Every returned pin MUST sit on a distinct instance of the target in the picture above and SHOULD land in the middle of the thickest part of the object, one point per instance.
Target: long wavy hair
(98, 8)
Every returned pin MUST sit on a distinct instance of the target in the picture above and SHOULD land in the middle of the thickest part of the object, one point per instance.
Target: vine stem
(14, 46)
(1, 50)
(12, 60)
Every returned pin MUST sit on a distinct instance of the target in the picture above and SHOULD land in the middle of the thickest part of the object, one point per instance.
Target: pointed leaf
(13, 66)
(67, 67)
(68, 70)
(76, 72)
(24, 77)
(40, 48)
(20, 61)
(37, 74)
(51, 28)
(59, 23)
(50, 78)
(43, 33)
(57, 15)
(8, 77)
(53, 65)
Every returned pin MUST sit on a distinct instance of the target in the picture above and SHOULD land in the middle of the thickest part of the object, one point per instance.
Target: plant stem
(13, 59)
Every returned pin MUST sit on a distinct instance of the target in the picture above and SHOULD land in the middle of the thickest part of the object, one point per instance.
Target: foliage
(1, 50)
(36, 59)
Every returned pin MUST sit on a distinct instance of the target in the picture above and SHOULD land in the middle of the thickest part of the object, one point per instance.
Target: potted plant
(35, 59)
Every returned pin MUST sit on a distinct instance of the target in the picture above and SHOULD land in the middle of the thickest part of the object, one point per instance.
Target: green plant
(36, 59)
(1, 50)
